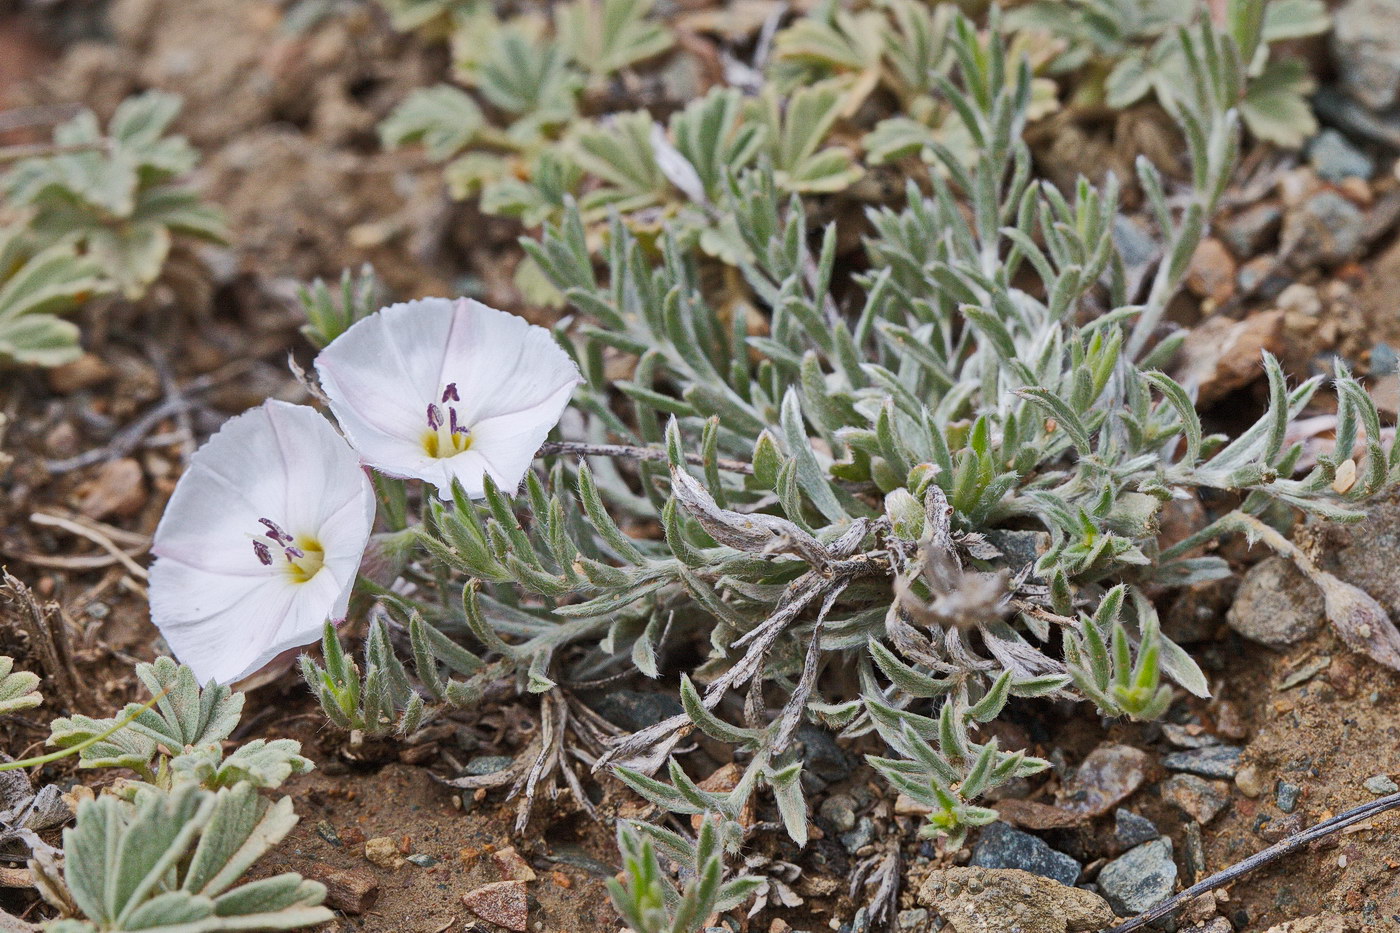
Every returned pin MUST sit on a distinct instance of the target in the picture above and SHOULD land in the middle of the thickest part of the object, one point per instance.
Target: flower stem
(578, 448)
(75, 749)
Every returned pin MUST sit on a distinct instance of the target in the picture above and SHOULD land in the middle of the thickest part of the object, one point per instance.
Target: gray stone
(1131, 830)
(1380, 785)
(824, 762)
(839, 811)
(1286, 796)
(1001, 846)
(1108, 774)
(1366, 49)
(1334, 158)
(488, 764)
(1276, 605)
(913, 920)
(1200, 799)
(634, 710)
(861, 836)
(1251, 231)
(1326, 229)
(1213, 761)
(1139, 879)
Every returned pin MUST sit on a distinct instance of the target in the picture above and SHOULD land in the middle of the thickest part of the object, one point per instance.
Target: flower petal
(222, 610)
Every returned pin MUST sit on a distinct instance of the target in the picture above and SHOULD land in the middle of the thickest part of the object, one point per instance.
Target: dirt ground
(285, 116)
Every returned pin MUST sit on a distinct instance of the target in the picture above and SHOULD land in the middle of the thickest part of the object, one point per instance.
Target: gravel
(1140, 879)
(1001, 846)
(1213, 761)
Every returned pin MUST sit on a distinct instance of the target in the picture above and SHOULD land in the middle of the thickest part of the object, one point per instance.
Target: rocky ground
(283, 101)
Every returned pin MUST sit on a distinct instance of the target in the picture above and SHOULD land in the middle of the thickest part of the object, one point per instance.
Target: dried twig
(1291, 844)
(48, 636)
(93, 535)
(578, 448)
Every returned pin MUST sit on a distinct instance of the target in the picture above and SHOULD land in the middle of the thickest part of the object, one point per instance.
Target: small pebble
(838, 810)
(1201, 799)
(1380, 785)
(1139, 879)
(1250, 781)
(1130, 829)
(1001, 846)
(1286, 796)
(1214, 761)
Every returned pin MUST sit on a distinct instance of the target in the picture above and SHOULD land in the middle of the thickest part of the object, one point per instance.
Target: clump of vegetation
(168, 852)
(97, 215)
(888, 500)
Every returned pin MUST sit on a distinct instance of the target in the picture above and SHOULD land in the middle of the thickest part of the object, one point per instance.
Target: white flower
(440, 390)
(260, 542)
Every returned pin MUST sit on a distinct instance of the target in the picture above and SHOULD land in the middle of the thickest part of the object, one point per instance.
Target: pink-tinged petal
(382, 373)
(503, 380)
(223, 610)
(509, 442)
(501, 363)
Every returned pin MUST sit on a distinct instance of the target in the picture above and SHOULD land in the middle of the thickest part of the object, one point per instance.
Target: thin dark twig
(578, 448)
(1291, 844)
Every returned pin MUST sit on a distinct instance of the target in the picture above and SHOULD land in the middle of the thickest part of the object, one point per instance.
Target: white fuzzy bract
(439, 390)
(260, 542)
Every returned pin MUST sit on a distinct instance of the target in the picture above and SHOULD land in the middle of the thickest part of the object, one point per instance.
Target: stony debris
(384, 852)
(1276, 605)
(1222, 355)
(1380, 785)
(1334, 158)
(1250, 232)
(1131, 830)
(990, 900)
(512, 865)
(1325, 230)
(1107, 776)
(1211, 274)
(1250, 781)
(85, 372)
(1286, 796)
(503, 903)
(839, 811)
(1140, 878)
(118, 489)
(1366, 48)
(1321, 923)
(1200, 799)
(1213, 761)
(1001, 846)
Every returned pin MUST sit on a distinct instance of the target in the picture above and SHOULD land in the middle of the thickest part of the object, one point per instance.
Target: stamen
(274, 531)
(434, 417)
(264, 554)
(293, 553)
(456, 428)
(449, 394)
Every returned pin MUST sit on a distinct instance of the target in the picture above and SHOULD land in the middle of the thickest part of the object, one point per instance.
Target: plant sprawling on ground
(888, 501)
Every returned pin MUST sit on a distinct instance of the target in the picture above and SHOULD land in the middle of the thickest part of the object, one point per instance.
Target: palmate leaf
(1275, 105)
(604, 36)
(172, 862)
(18, 689)
(796, 127)
(34, 286)
(442, 118)
(185, 716)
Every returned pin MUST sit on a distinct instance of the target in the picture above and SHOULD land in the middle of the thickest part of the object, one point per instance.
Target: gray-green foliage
(115, 197)
(37, 284)
(891, 500)
(171, 862)
(19, 690)
(1135, 46)
(646, 898)
(180, 739)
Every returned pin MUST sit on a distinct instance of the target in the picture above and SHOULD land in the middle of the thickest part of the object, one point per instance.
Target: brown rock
(1321, 923)
(503, 903)
(1200, 799)
(85, 372)
(1031, 814)
(993, 900)
(384, 852)
(1276, 605)
(353, 890)
(1223, 355)
(1107, 776)
(1211, 274)
(512, 865)
(119, 489)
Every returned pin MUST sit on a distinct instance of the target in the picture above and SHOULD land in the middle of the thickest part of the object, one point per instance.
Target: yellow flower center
(443, 443)
(313, 557)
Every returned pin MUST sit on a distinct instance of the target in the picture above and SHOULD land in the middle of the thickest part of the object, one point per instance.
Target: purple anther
(434, 417)
(264, 555)
(452, 419)
(274, 531)
(449, 394)
(293, 553)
